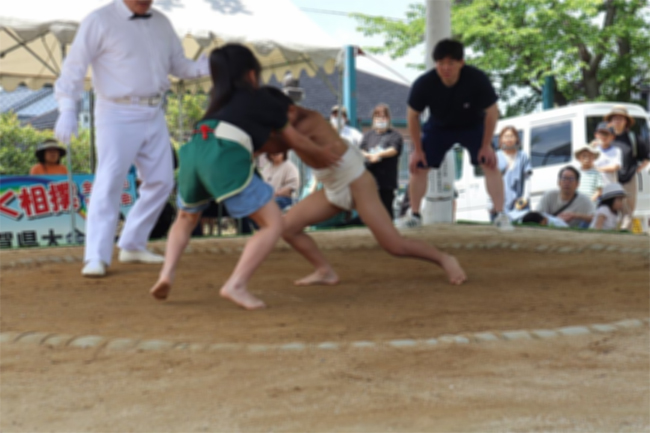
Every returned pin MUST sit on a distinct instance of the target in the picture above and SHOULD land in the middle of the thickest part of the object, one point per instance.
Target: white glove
(66, 126)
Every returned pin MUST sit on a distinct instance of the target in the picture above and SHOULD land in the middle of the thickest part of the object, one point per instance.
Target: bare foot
(161, 289)
(242, 297)
(318, 277)
(454, 271)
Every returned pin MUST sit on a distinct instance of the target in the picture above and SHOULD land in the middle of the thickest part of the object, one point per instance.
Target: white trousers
(127, 135)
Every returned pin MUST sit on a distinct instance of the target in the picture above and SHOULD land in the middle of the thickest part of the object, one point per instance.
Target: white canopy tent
(35, 34)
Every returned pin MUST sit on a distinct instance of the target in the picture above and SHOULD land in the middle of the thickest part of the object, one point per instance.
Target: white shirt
(611, 155)
(129, 57)
(352, 135)
(611, 219)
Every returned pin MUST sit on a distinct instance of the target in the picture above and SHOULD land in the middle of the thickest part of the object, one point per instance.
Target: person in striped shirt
(591, 181)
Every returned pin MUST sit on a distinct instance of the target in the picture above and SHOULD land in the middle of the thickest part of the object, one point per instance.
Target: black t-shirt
(384, 171)
(254, 111)
(630, 162)
(459, 106)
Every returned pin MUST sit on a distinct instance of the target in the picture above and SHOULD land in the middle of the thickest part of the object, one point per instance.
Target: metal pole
(548, 92)
(350, 84)
(71, 189)
(436, 207)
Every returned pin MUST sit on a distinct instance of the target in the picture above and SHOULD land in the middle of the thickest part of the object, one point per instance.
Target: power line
(341, 13)
(385, 66)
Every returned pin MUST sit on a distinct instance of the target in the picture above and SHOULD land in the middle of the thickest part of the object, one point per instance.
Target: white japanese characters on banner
(35, 210)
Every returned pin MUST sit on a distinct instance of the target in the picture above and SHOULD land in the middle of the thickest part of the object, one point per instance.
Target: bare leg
(258, 247)
(373, 213)
(494, 186)
(417, 188)
(179, 236)
(629, 204)
(315, 208)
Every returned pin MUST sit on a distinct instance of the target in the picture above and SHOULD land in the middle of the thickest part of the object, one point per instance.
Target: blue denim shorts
(251, 199)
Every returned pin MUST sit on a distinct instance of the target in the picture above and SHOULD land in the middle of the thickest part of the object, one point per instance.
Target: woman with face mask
(381, 146)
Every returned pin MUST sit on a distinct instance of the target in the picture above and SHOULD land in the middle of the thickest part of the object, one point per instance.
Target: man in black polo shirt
(381, 146)
(462, 109)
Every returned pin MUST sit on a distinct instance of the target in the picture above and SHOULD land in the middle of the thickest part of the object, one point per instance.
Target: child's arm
(612, 168)
(597, 194)
(600, 220)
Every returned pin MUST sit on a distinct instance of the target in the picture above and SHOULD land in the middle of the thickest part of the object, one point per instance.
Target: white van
(549, 139)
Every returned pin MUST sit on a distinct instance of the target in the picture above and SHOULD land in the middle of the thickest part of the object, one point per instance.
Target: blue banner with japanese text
(35, 210)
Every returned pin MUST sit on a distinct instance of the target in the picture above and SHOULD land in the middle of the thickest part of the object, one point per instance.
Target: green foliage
(596, 49)
(194, 106)
(18, 144)
(400, 36)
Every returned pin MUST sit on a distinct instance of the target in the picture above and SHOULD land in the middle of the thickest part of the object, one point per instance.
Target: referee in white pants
(132, 50)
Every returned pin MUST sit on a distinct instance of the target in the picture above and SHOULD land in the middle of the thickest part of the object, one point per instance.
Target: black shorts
(437, 141)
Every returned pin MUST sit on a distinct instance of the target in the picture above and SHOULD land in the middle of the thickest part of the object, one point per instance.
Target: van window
(550, 144)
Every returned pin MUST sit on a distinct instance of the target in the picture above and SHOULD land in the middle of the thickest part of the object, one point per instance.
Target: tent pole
(350, 84)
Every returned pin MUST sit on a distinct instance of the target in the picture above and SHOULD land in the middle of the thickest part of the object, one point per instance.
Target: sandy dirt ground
(595, 383)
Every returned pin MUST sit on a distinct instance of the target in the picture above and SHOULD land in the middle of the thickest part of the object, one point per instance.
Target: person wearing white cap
(132, 50)
(609, 211)
(635, 153)
(591, 182)
(352, 135)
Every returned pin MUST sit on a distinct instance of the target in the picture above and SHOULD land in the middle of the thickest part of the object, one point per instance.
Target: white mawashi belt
(150, 101)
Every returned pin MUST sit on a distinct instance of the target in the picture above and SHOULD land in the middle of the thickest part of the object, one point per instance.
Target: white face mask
(335, 122)
(380, 124)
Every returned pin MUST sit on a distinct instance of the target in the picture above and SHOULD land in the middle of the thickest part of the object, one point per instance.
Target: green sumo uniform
(217, 163)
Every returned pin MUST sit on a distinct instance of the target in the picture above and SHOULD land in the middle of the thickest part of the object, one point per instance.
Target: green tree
(18, 145)
(194, 106)
(595, 49)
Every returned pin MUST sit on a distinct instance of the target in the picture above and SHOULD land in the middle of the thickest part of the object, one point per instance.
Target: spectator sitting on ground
(574, 208)
(609, 212)
(352, 135)
(610, 159)
(283, 176)
(591, 182)
(49, 154)
(543, 220)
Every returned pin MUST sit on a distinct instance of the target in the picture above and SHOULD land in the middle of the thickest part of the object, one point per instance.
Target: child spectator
(49, 154)
(609, 211)
(283, 176)
(610, 159)
(591, 181)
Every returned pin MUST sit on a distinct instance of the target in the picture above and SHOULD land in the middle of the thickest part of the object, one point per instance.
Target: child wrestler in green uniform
(217, 164)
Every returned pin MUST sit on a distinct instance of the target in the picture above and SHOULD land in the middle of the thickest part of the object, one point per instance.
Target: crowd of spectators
(598, 193)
